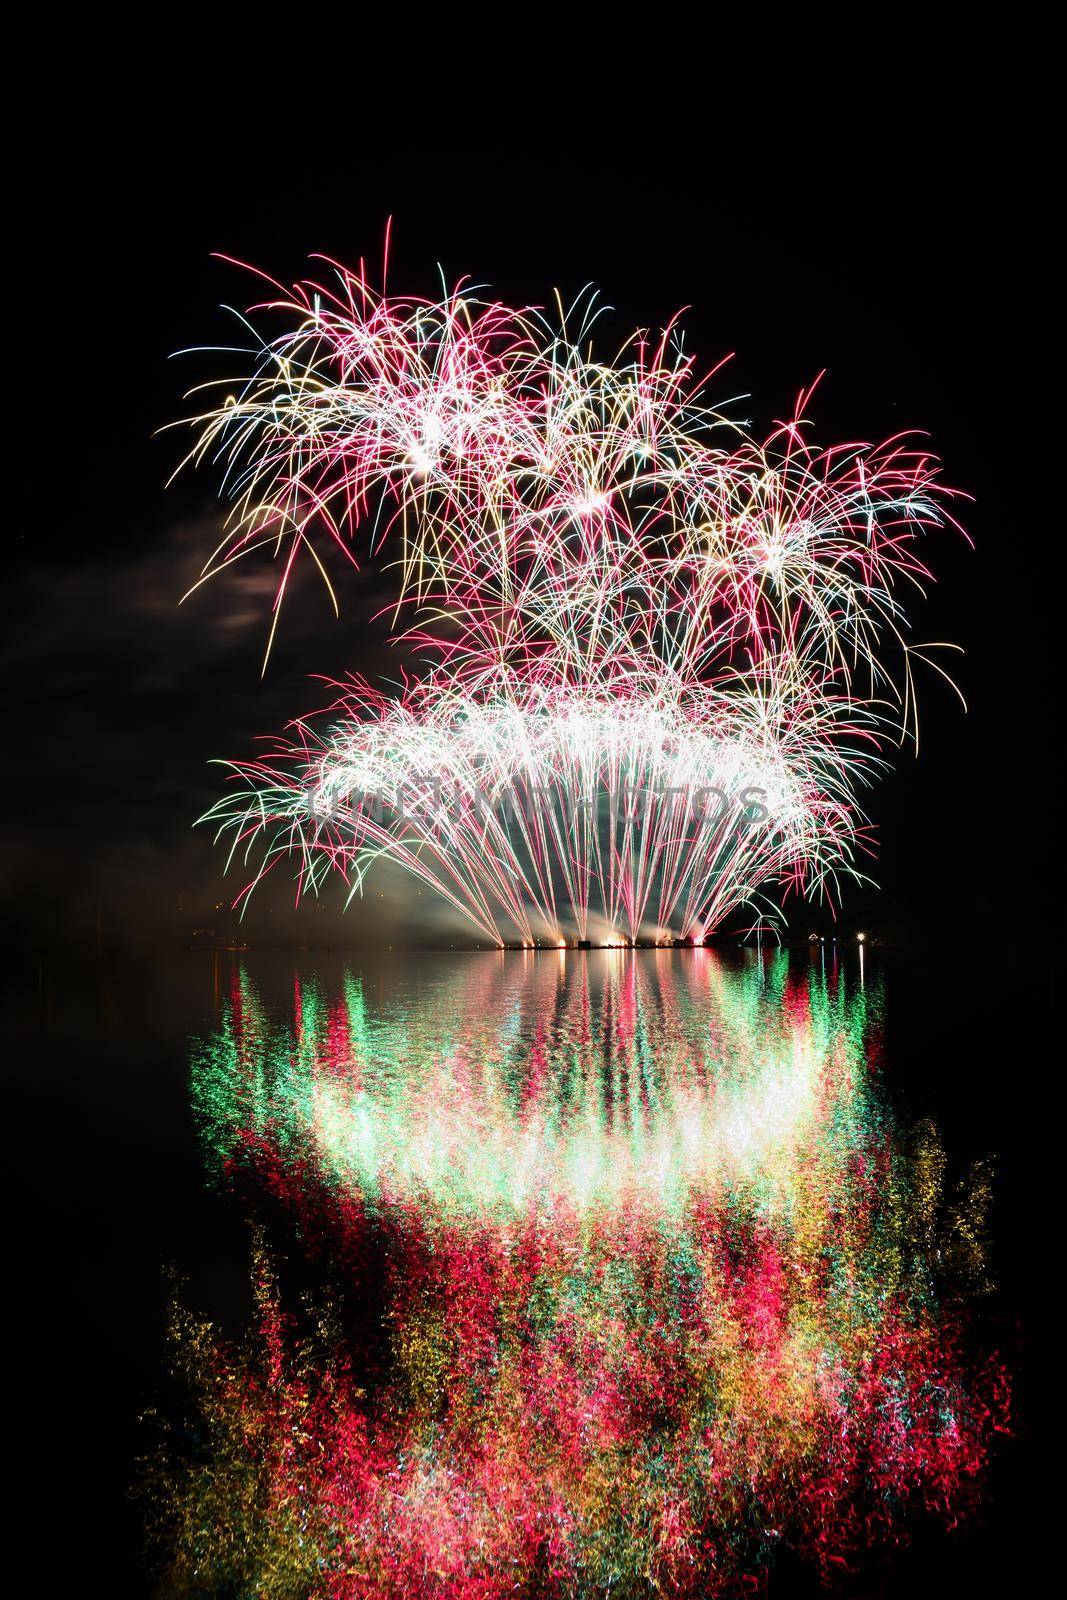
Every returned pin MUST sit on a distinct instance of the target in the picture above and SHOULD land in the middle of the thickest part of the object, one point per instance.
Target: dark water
(776, 1122)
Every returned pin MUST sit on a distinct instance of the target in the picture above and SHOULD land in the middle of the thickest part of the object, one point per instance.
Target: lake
(562, 1272)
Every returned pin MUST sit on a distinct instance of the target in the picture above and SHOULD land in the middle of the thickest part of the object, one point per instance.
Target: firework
(617, 593)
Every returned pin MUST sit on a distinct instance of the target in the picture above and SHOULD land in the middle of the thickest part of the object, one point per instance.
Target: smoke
(119, 698)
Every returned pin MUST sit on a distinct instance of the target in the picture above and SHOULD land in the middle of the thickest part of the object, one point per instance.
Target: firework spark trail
(511, 822)
(577, 543)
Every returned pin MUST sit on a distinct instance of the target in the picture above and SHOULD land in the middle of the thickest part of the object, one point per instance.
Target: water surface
(632, 1266)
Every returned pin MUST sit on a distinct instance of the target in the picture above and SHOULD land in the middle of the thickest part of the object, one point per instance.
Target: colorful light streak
(663, 1282)
(496, 1094)
(614, 586)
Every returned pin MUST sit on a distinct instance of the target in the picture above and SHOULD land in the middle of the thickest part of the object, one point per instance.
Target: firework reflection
(661, 1282)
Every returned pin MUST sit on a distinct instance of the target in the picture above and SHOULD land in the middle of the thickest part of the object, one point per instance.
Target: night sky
(912, 267)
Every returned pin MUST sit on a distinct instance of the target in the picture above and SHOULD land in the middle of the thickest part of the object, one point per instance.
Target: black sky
(898, 239)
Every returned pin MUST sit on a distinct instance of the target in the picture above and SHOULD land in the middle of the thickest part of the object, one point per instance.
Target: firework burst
(625, 605)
